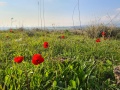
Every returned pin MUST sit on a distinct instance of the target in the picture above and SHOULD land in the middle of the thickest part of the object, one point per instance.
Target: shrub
(95, 31)
(118, 36)
(30, 33)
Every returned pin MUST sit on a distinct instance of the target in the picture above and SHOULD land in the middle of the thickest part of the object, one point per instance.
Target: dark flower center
(37, 61)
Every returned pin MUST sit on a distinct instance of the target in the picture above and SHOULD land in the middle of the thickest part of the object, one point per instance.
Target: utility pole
(79, 14)
(11, 22)
(41, 13)
(38, 14)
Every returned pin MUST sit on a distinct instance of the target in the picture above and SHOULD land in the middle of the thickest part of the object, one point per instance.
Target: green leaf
(11, 87)
(1, 87)
(77, 81)
(46, 74)
(70, 66)
(73, 84)
(54, 83)
(109, 62)
(6, 78)
(20, 72)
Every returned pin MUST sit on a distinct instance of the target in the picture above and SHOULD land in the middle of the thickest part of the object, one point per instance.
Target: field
(74, 62)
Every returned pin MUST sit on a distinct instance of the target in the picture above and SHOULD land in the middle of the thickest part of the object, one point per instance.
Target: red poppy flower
(62, 37)
(103, 33)
(45, 45)
(37, 59)
(98, 40)
(18, 59)
(11, 30)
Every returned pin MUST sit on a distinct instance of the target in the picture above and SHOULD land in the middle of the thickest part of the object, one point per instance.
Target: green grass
(74, 63)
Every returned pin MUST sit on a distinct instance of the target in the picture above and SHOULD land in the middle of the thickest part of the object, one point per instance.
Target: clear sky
(58, 12)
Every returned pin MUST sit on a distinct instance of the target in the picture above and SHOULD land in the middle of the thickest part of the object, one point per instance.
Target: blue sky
(58, 12)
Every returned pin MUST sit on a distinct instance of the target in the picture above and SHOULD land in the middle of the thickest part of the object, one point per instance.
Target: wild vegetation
(71, 60)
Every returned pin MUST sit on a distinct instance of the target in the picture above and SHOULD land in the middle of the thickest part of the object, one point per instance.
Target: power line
(73, 16)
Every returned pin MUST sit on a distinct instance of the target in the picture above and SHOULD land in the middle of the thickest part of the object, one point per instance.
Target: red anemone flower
(11, 30)
(18, 59)
(45, 45)
(62, 37)
(37, 59)
(98, 40)
(103, 33)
